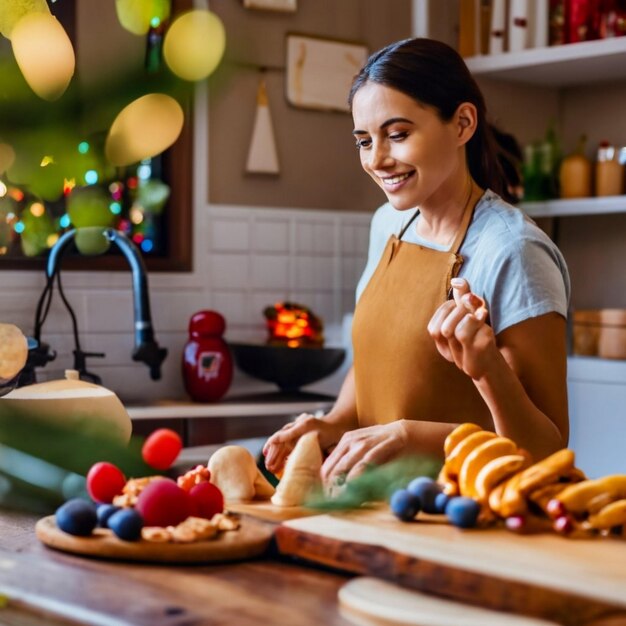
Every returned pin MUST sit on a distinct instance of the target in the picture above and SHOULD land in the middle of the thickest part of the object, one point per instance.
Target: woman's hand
(279, 446)
(461, 333)
(359, 448)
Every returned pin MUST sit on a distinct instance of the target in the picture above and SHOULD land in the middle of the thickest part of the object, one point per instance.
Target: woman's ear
(466, 121)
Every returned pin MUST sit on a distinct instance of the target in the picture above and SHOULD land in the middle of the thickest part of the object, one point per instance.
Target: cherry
(163, 503)
(161, 448)
(555, 509)
(104, 482)
(207, 500)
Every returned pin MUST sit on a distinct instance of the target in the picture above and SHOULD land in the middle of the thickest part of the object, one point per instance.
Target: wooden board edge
(473, 588)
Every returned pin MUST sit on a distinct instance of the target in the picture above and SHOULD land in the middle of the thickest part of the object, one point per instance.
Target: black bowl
(289, 368)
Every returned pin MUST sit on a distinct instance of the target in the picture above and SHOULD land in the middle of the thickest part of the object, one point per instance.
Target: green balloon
(91, 241)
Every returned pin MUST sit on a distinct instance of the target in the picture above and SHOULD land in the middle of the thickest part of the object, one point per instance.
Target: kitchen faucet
(146, 348)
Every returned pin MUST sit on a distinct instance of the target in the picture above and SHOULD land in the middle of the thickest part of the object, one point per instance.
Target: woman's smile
(395, 182)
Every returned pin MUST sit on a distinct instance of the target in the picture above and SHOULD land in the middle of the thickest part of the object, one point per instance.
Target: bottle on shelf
(575, 173)
(609, 178)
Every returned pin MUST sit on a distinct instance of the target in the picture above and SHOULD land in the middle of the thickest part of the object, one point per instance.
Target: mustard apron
(399, 374)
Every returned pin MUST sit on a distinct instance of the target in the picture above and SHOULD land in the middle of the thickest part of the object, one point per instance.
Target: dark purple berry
(77, 517)
(126, 524)
(404, 505)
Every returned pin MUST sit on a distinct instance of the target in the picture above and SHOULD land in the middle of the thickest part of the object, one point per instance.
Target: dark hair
(433, 73)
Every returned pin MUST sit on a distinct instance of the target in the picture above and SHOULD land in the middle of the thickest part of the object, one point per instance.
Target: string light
(37, 209)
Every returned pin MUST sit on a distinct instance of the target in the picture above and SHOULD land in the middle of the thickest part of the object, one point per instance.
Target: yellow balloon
(137, 15)
(143, 129)
(11, 11)
(194, 44)
(44, 54)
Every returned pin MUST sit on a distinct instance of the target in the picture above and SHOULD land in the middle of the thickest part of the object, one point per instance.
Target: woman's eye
(398, 136)
(363, 143)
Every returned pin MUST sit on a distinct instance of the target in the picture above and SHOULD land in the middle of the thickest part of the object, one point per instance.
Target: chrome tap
(146, 348)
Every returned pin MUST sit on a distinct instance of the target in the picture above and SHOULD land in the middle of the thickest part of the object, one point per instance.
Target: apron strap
(464, 226)
(406, 227)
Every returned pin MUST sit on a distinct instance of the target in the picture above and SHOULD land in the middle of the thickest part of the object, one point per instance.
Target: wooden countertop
(42, 586)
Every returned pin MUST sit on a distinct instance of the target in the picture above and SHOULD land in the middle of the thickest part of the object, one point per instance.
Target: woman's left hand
(461, 333)
(357, 449)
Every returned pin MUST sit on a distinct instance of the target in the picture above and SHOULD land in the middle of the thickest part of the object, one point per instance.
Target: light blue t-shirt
(508, 260)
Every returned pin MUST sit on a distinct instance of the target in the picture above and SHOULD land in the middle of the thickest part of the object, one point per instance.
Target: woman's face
(412, 155)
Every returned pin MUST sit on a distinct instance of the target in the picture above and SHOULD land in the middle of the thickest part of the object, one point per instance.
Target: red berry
(104, 482)
(163, 503)
(564, 525)
(161, 448)
(207, 500)
(555, 508)
(516, 523)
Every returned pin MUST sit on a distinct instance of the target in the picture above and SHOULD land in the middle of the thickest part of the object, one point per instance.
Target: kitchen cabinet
(588, 82)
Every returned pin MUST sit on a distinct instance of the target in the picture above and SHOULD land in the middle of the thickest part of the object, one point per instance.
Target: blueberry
(104, 512)
(426, 489)
(404, 505)
(126, 524)
(77, 517)
(463, 512)
(441, 501)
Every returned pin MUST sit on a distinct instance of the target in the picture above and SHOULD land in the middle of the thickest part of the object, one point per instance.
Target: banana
(545, 472)
(541, 496)
(611, 515)
(460, 452)
(575, 498)
(457, 435)
(478, 458)
(496, 472)
(448, 484)
(495, 497)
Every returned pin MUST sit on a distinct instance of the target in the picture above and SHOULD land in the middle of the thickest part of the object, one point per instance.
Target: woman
(461, 310)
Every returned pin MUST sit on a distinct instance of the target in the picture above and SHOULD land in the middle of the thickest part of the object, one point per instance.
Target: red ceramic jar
(207, 362)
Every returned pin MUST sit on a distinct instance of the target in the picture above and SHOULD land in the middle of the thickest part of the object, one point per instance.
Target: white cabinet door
(598, 426)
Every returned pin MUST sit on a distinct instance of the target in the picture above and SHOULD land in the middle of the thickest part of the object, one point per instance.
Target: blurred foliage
(41, 462)
(375, 484)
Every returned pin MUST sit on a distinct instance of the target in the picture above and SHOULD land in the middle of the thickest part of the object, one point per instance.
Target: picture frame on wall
(319, 71)
(272, 5)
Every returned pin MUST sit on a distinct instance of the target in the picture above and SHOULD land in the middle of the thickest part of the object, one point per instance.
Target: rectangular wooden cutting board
(571, 581)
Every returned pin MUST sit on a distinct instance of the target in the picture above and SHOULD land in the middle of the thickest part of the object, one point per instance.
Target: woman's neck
(440, 220)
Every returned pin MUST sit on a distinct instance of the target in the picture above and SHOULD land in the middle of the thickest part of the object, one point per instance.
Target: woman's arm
(341, 418)
(520, 374)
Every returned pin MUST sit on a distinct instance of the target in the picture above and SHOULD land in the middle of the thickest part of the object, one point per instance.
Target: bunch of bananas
(529, 496)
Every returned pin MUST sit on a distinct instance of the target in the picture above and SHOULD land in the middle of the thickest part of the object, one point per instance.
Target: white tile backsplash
(246, 259)
(271, 235)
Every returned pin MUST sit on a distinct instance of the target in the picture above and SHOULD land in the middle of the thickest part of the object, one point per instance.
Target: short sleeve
(527, 278)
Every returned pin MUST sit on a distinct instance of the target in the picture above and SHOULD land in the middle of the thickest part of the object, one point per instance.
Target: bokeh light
(194, 44)
(143, 129)
(44, 54)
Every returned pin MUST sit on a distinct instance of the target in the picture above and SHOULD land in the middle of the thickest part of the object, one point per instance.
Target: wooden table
(234, 417)
(42, 586)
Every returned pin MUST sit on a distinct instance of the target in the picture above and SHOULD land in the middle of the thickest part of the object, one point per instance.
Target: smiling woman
(59, 146)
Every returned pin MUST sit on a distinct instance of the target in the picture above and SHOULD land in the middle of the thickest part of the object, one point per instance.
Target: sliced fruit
(463, 448)
(495, 472)
(575, 498)
(611, 515)
(457, 435)
(478, 458)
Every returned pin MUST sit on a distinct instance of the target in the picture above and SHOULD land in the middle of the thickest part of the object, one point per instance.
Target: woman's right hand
(279, 446)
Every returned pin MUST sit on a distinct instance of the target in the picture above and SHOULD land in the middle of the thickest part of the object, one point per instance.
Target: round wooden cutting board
(249, 541)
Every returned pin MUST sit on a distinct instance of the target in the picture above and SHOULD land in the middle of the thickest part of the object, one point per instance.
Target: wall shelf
(575, 206)
(556, 66)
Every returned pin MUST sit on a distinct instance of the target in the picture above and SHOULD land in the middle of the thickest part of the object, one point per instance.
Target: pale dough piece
(234, 471)
(302, 472)
(13, 351)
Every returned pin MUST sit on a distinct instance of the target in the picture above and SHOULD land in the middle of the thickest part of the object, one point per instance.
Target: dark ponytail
(433, 73)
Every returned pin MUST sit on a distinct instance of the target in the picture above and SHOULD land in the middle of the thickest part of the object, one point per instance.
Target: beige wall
(319, 165)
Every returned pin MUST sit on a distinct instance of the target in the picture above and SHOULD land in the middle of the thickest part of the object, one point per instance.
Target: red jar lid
(207, 323)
